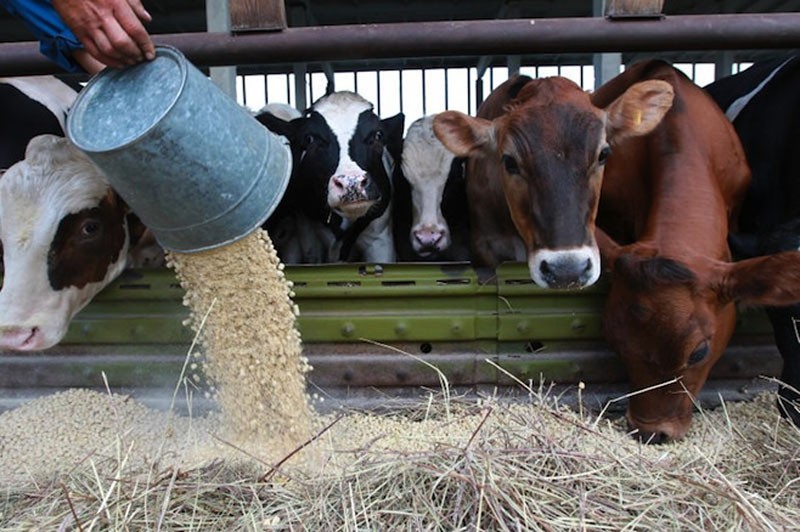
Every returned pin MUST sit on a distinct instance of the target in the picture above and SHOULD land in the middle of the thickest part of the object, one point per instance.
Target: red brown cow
(536, 154)
(668, 200)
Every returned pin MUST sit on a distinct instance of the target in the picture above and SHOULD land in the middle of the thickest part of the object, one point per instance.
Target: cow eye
(510, 164)
(90, 228)
(699, 354)
(604, 153)
(376, 137)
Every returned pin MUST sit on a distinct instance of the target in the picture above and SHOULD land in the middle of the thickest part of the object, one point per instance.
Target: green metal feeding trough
(375, 326)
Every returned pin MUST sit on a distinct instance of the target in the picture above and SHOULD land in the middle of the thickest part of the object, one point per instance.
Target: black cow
(763, 102)
(343, 155)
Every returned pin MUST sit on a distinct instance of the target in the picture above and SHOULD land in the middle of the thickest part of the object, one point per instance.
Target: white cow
(438, 191)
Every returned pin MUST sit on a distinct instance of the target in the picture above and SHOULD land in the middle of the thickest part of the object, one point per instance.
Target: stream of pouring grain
(251, 348)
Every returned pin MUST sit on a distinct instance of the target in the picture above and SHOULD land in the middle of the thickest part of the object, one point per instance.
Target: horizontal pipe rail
(460, 38)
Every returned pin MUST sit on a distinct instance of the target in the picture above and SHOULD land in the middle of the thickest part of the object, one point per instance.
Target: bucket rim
(82, 101)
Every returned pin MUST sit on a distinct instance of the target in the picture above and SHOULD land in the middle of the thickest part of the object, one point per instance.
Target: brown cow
(536, 154)
(669, 199)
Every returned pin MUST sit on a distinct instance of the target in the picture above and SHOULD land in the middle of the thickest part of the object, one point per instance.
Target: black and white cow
(64, 232)
(297, 238)
(431, 220)
(763, 102)
(343, 157)
(30, 106)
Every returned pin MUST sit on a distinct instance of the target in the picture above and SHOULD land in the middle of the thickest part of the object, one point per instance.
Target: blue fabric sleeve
(56, 40)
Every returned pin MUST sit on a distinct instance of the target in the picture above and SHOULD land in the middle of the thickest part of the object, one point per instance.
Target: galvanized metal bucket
(195, 166)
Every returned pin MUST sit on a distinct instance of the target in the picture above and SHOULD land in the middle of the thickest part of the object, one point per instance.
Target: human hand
(112, 31)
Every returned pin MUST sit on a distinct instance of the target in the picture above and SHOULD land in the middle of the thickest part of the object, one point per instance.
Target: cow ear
(772, 280)
(611, 252)
(609, 249)
(462, 134)
(393, 127)
(639, 110)
(277, 125)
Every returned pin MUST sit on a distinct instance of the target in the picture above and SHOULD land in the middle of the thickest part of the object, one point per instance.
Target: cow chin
(354, 209)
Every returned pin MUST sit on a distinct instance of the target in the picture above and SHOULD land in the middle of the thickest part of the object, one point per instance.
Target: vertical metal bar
(244, 90)
(292, 101)
(378, 89)
(424, 94)
(402, 71)
(446, 88)
(470, 108)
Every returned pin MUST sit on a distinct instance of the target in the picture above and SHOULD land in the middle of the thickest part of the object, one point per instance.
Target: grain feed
(242, 309)
(55, 434)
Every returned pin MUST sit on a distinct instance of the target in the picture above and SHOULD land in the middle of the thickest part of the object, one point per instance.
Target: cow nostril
(651, 438)
(587, 266)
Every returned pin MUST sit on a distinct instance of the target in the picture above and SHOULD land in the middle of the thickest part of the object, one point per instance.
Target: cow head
(427, 166)
(64, 238)
(551, 144)
(341, 154)
(671, 320)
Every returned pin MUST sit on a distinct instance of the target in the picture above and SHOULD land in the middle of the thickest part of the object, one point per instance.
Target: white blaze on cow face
(350, 191)
(426, 166)
(64, 238)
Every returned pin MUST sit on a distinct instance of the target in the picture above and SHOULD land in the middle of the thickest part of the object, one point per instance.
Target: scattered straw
(471, 464)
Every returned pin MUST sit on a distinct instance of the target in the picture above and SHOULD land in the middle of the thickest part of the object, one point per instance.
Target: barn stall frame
(368, 326)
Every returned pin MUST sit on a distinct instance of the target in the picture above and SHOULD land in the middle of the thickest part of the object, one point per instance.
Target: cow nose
(349, 182)
(20, 338)
(428, 238)
(566, 272)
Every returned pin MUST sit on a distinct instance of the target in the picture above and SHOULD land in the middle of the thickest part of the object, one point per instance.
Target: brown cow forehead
(559, 125)
(651, 273)
(552, 89)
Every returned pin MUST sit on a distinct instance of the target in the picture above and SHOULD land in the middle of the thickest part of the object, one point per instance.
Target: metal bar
(459, 38)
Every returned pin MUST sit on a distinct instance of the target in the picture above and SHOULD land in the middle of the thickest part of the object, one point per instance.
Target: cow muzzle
(23, 339)
(573, 268)
(658, 431)
(430, 239)
(352, 195)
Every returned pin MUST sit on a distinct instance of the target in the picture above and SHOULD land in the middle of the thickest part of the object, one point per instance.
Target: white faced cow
(430, 211)
(343, 156)
(65, 237)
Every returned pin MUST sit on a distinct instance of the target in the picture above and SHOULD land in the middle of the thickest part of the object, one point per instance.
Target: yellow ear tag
(638, 117)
